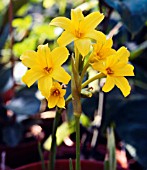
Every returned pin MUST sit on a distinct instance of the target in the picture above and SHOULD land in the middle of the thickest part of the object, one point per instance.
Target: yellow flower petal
(29, 58)
(83, 45)
(65, 38)
(55, 96)
(125, 70)
(43, 53)
(52, 101)
(109, 84)
(111, 61)
(61, 75)
(99, 67)
(62, 22)
(123, 54)
(59, 55)
(108, 52)
(91, 21)
(76, 16)
(31, 77)
(61, 103)
(96, 35)
(45, 83)
(109, 42)
(123, 85)
(62, 93)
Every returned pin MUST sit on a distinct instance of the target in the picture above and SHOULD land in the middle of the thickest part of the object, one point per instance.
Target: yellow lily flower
(101, 50)
(79, 29)
(45, 65)
(115, 68)
(55, 96)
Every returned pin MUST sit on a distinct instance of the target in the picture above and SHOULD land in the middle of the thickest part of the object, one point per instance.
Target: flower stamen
(78, 34)
(100, 56)
(48, 70)
(109, 71)
(56, 92)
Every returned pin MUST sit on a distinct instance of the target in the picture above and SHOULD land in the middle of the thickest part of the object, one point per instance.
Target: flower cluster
(45, 66)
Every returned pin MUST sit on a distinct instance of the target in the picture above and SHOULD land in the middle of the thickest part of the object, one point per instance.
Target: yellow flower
(45, 66)
(102, 49)
(115, 68)
(79, 29)
(55, 96)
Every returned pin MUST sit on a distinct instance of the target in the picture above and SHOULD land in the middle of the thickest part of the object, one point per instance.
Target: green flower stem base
(52, 155)
(41, 156)
(77, 119)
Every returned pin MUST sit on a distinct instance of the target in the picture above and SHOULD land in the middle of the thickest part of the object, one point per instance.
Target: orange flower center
(109, 71)
(48, 70)
(100, 55)
(55, 92)
(78, 34)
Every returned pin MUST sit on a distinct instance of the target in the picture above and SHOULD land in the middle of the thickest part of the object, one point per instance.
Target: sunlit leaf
(63, 131)
(22, 23)
(85, 120)
(27, 44)
(23, 10)
(47, 32)
(48, 4)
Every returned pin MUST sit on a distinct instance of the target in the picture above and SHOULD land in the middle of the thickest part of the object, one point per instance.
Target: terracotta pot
(64, 165)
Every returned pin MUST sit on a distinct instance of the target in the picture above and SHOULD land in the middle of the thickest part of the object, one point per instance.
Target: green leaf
(106, 165)
(111, 148)
(3, 8)
(85, 121)
(27, 44)
(17, 4)
(63, 131)
(12, 134)
(48, 4)
(46, 31)
(137, 52)
(22, 23)
(70, 164)
(133, 13)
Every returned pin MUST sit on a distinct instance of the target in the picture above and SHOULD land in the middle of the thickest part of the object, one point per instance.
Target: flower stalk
(52, 156)
(41, 156)
(77, 119)
(98, 76)
(76, 100)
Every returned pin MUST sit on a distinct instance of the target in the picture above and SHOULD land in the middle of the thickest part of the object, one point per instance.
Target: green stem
(77, 58)
(70, 164)
(98, 76)
(51, 164)
(41, 156)
(77, 119)
(76, 100)
(68, 99)
(84, 70)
